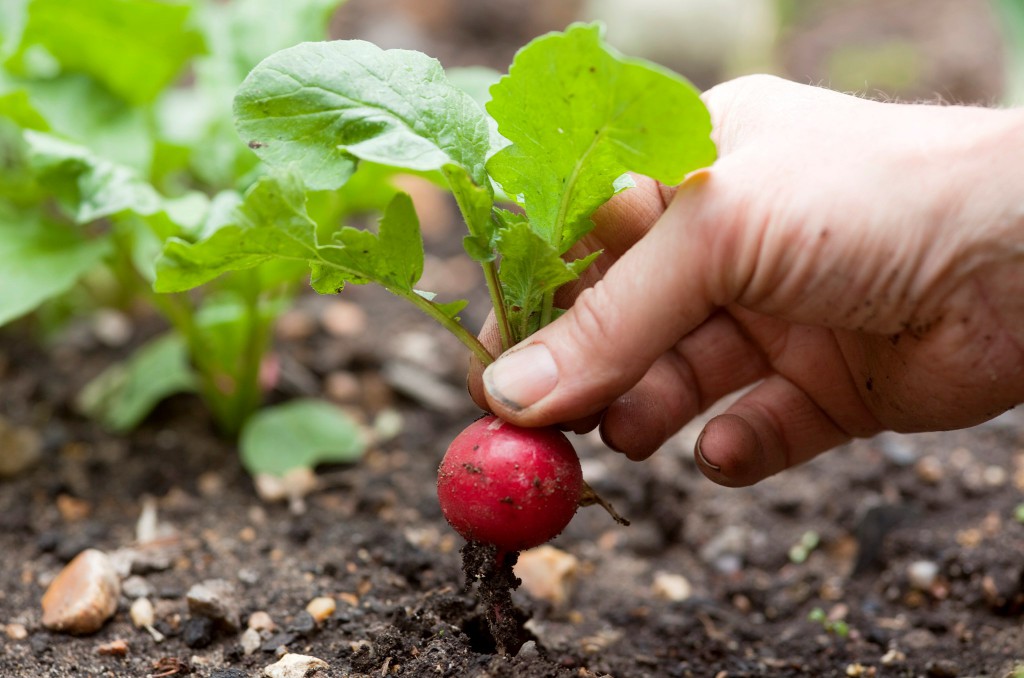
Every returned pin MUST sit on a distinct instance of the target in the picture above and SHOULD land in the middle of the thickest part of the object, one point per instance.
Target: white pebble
(295, 666)
(922, 574)
(250, 641)
(672, 587)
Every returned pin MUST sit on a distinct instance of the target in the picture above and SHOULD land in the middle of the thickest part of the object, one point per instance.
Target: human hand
(860, 264)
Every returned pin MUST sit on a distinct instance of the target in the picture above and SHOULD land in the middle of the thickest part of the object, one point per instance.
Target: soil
(813, 573)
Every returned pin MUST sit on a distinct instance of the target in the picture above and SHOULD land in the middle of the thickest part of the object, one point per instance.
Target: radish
(512, 487)
(505, 489)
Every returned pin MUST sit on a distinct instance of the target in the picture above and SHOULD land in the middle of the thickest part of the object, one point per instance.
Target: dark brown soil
(374, 539)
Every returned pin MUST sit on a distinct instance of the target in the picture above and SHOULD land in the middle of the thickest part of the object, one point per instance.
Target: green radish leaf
(392, 258)
(93, 188)
(122, 395)
(321, 106)
(12, 21)
(134, 47)
(299, 434)
(241, 33)
(40, 259)
(475, 202)
(531, 267)
(579, 115)
(272, 224)
(80, 109)
(16, 106)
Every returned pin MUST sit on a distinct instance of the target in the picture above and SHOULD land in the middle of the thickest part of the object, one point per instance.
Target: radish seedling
(570, 119)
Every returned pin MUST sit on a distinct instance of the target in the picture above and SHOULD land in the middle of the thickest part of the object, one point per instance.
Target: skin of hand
(855, 266)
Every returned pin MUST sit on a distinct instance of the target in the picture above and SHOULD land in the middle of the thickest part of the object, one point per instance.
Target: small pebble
(277, 641)
(229, 673)
(922, 574)
(295, 666)
(548, 574)
(83, 596)
(112, 328)
(16, 631)
(892, 657)
(210, 484)
(22, 447)
(929, 469)
(528, 651)
(672, 587)
(115, 648)
(342, 387)
(321, 608)
(292, 486)
(733, 540)
(198, 632)
(72, 509)
(303, 624)
(261, 621)
(942, 668)
(249, 575)
(296, 324)
(136, 587)
(142, 613)
(343, 319)
(250, 641)
(995, 476)
(918, 640)
(217, 600)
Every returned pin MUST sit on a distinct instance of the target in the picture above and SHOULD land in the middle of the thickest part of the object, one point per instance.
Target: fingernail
(700, 454)
(521, 377)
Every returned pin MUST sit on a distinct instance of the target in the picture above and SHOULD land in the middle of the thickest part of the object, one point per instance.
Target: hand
(858, 265)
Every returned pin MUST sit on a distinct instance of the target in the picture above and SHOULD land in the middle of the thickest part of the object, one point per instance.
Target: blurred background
(955, 51)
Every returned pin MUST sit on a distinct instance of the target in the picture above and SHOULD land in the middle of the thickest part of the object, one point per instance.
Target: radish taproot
(512, 487)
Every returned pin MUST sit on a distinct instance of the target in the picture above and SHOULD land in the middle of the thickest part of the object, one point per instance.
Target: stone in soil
(321, 608)
(83, 596)
(198, 632)
(261, 621)
(922, 574)
(229, 673)
(548, 574)
(250, 641)
(295, 666)
(115, 648)
(22, 447)
(343, 319)
(672, 587)
(303, 624)
(217, 600)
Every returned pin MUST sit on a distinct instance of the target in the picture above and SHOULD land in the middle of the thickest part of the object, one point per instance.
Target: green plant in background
(1010, 14)
(833, 627)
(116, 136)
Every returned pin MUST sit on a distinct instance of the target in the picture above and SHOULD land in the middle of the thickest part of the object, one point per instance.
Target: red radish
(512, 487)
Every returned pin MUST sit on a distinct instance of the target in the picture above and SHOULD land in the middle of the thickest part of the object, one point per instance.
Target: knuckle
(595, 325)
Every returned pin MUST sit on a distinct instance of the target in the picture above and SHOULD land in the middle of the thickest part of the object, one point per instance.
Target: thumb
(657, 292)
